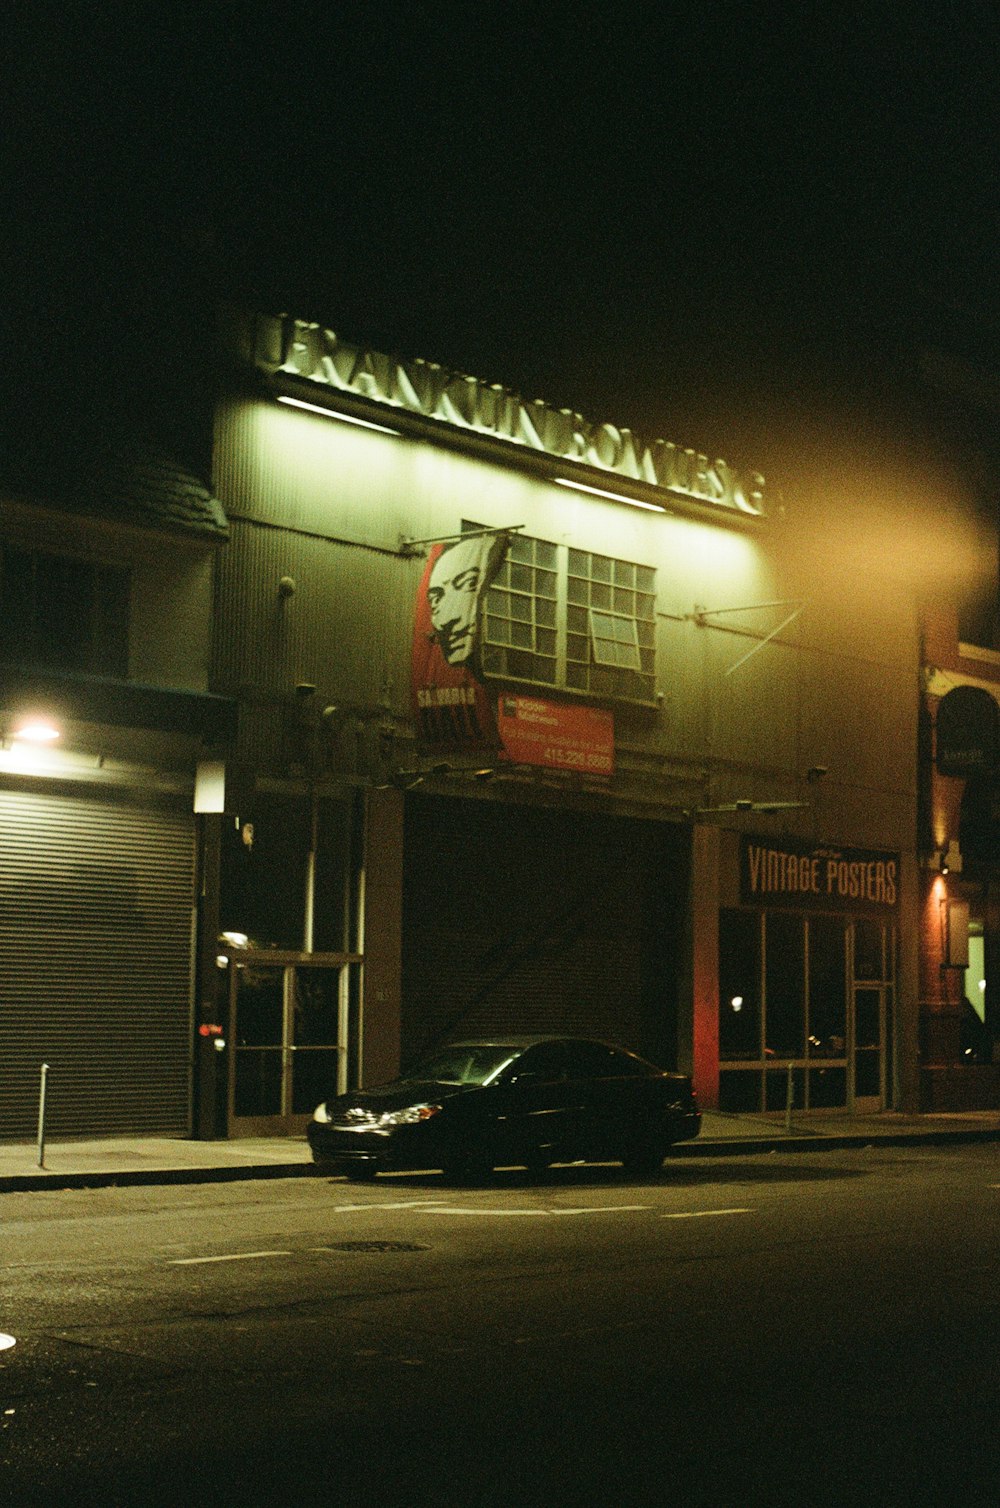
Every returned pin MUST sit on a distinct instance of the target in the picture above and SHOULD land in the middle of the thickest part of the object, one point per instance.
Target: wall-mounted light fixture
(614, 497)
(329, 413)
(951, 858)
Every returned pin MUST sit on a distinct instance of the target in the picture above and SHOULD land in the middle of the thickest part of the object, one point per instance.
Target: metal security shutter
(521, 919)
(95, 963)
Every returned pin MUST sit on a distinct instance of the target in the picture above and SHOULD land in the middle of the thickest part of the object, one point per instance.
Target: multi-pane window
(520, 634)
(571, 618)
(610, 626)
(57, 613)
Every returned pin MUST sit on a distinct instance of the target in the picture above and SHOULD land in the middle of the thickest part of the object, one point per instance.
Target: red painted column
(705, 964)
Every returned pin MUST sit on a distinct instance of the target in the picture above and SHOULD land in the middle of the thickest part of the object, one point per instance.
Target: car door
(618, 1104)
(539, 1106)
(594, 1074)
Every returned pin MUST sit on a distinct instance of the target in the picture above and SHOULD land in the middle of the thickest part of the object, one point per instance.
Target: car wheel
(643, 1161)
(538, 1160)
(361, 1172)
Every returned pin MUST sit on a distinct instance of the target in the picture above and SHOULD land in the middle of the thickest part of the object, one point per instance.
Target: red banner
(558, 735)
(450, 703)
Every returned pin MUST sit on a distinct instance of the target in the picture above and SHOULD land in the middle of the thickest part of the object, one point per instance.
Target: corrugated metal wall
(95, 963)
(523, 919)
(299, 507)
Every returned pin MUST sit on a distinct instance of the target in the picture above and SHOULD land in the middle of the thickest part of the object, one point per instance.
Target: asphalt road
(803, 1329)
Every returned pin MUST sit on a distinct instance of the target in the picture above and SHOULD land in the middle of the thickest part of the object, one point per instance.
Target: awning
(118, 704)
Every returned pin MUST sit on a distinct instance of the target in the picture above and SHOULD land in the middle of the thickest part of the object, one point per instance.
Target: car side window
(546, 1061)
(626, 1066)
(591, 1060)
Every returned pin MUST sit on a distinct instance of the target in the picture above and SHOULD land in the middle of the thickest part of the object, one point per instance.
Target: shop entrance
(293, 1024)
(805, 1007)
(867, 1081)
(872, 954)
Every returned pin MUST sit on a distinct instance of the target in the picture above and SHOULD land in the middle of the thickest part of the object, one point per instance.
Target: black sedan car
(529, 1101)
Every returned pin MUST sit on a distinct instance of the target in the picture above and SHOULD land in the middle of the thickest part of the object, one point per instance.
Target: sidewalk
(136, 1160)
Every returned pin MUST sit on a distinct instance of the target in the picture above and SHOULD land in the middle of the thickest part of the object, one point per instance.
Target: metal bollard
(41, 1115)
(789, 1099)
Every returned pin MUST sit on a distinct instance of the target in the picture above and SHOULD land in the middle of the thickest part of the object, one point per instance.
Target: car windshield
(469, 1064)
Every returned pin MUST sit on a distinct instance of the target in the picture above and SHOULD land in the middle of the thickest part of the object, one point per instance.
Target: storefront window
(785, 985)
(827, 988)
(789, 1005)
(739, 985)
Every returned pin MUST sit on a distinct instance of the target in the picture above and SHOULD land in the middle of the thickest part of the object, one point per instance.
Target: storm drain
(376, 1246)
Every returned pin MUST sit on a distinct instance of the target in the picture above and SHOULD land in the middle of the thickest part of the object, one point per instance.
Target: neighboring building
(549, 726)
(960, 918)
(106, 569)
(960, 752)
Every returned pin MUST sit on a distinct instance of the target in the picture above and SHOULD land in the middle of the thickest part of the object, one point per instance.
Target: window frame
(96, 642)
(527, 632)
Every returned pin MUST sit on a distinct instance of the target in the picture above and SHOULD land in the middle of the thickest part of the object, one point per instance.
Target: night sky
(661, 215)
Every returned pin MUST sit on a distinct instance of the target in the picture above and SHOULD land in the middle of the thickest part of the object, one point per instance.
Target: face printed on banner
(453, 593)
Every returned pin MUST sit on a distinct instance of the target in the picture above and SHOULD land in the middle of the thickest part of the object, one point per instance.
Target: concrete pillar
(383, 936)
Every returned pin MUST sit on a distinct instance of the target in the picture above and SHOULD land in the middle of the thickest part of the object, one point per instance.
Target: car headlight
(409, 1116)
(322, 1114)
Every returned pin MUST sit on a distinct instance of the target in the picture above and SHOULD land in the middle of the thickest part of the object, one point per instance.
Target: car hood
(398, 1095)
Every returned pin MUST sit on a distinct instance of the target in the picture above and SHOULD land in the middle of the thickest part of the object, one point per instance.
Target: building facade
(444, 712)
(545, 725)
(106, 579)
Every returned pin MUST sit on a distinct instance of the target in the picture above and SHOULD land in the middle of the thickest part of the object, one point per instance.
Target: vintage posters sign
(451, 706)
(557, 735)
(786, 873)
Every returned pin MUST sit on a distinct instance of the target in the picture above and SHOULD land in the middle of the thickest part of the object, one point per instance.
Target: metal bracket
(409, 547)
(700, 616)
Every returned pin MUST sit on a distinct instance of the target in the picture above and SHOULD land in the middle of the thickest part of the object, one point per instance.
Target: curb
(146, 1177)
(814, 1143)
(745, 1147)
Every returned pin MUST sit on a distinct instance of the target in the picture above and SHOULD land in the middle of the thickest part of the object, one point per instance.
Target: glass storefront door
(288, 1035)
(868, 1049)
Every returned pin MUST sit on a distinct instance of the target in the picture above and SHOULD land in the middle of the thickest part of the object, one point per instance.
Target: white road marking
(600, 1209)
(446, 1209)
(401, 1204)
(435, 1207)
(702, 1214)
(236, 1256)
(596, 1209)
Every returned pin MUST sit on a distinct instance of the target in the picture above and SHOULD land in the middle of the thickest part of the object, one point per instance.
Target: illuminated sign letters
(432, 391)
(786, 873)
